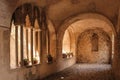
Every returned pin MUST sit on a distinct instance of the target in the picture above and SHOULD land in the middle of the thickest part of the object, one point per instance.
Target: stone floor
(84, 72)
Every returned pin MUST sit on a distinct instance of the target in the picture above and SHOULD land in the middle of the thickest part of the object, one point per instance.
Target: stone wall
(85, 54)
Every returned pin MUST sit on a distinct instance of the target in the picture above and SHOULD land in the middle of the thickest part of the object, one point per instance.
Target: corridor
(60, 40)
(84, 72)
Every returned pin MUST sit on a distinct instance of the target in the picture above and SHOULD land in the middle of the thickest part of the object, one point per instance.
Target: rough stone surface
(84, 72)
(85, 54)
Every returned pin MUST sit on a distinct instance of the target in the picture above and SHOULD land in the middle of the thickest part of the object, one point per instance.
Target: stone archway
(91, 18)
(68, 44)
(45, 34)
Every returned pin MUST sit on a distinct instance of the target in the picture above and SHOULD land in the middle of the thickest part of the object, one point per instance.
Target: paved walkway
(84, 72)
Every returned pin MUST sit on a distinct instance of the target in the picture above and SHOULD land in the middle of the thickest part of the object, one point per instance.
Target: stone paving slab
(84, 72)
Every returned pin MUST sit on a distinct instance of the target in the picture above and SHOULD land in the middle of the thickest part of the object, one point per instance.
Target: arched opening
(30, 37)
(25, 39)
(68, 44)
(83, 22)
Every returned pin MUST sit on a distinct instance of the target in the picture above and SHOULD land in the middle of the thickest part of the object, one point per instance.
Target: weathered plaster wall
(85, 54)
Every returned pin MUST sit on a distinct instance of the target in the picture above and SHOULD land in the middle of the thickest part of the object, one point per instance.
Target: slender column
(21, 38)
(27, 43)
(39, 45)
(36, 42)
(48, 42)
(32, 46)
(46, 36)
(16, 42)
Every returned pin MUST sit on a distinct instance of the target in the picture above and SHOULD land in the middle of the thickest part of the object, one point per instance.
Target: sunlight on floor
(84, 72)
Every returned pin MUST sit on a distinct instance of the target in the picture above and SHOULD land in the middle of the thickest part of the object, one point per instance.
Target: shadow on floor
(84, 72)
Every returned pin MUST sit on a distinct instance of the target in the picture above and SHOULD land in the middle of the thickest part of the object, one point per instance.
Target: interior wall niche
(94, 42)
(94, 46)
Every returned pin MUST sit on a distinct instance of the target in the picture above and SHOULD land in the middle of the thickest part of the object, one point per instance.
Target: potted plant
(64, 55)
(25, 62)
(49, 58)
(35, 61)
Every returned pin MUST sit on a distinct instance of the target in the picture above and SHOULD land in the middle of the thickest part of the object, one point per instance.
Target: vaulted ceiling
(59, 10)
(83, 25)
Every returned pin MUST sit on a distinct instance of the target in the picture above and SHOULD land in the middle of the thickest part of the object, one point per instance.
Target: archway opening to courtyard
(93, 36)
